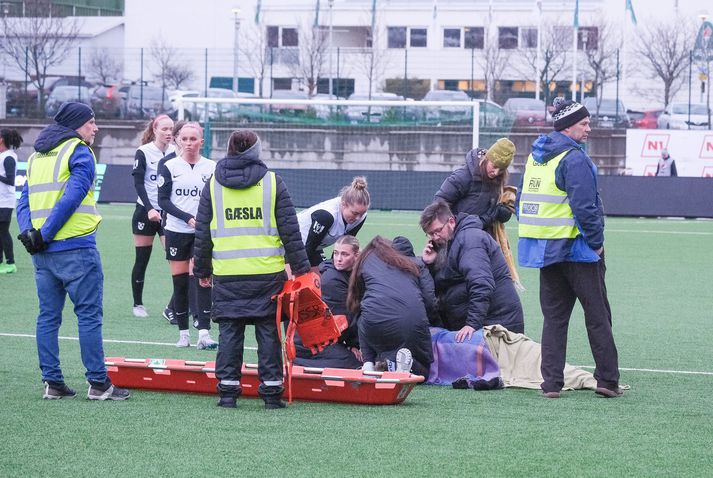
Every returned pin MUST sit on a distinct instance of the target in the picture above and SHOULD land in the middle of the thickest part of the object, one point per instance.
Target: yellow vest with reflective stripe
(544, 208)
(47, 176)
(244, 229)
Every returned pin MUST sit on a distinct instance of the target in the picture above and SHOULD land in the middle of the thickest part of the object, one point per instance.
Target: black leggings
(6, 243)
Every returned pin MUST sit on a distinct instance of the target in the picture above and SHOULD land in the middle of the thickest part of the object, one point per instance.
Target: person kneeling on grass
(386, 293)
(245, 226)
(335, 275)
(473, 282)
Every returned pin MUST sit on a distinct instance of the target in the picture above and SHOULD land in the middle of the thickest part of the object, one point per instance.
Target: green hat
(501, 153)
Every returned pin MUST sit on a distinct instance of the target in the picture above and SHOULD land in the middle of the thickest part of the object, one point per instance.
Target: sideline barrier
(412, 190)
(309, 384)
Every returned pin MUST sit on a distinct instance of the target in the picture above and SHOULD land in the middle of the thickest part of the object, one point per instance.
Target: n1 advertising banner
(21, 179)
(692, 151)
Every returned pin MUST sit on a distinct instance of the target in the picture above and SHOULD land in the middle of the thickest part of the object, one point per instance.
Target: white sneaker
(206, 343)
(184, 341)
(140, 311)
(404, 360)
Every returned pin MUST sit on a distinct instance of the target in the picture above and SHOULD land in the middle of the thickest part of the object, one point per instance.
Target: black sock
(203, 304)
(180, 300)
(193, 297)
(170, 303)
(143, 254)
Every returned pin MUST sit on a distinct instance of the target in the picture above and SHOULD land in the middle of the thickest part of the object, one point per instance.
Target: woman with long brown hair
(386, 293)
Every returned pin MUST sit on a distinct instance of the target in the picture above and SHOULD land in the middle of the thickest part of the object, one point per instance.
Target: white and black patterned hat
(567, 113)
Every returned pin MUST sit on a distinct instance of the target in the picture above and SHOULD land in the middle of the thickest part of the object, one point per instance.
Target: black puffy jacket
(474, 286)
(466, 191)
(247, 296)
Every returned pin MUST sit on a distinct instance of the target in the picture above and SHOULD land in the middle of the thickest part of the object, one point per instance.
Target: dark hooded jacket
(474, 286)
(81, 180)
(247, 296)
(466, 191)
(576, 174)
(428, 288)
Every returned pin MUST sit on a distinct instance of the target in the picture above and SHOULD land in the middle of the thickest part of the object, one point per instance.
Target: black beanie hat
(73, 114)
(567, 113)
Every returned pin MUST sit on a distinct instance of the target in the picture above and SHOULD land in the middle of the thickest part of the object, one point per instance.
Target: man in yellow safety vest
(561, 228)
(58, 218)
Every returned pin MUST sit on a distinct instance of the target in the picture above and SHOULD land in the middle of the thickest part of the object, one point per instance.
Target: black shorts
(6, 214)
(179, 245)
(141, 226)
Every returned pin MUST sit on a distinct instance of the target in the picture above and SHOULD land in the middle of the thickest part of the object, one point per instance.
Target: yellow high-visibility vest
(244, 229)
(544, 208)
(47, 176)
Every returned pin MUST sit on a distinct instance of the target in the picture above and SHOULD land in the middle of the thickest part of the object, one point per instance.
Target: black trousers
(229, 361)
(561, 285)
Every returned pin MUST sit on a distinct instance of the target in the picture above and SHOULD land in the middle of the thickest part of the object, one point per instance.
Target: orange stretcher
(301, 303)
(310, 384)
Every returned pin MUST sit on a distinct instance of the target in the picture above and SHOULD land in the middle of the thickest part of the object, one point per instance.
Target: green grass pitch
(659, 279)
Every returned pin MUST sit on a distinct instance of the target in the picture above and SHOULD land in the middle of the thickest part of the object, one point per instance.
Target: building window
(590, 35)
(474, 37)
(289, 37)
(396, 37)
(451, 38)
(281, 37)
(418, 37)
(282, 83)
(273, 37)
(507, 38)
(528, 37)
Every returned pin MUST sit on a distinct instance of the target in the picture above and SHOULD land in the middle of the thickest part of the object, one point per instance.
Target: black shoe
(55, 391)
(274, 404)
(168, 315)
(227, 402)
(609, 393)
(461, 384)
(111, 393)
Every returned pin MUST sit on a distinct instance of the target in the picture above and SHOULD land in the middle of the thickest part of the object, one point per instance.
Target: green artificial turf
(659, 276)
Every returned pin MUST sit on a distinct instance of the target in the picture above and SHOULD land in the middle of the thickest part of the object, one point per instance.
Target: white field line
(138, 342)
(106, 341)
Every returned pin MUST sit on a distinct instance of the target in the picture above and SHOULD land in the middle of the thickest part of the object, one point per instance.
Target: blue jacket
(81, 179)
(576, 174)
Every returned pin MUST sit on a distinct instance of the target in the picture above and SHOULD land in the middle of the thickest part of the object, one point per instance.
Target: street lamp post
(584, 51)
(236, 13)
(331, 48)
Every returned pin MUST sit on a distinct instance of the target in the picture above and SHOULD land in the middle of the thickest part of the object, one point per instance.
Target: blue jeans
(78, 273)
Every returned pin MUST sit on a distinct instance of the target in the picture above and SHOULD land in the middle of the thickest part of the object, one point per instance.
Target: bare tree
(374, 60)
(603, 43)
(104, 66)
(253, 46)
(663, 48)
(494, 61)
(311, 56)
(556, 40)
(37, 42)
(167, 69)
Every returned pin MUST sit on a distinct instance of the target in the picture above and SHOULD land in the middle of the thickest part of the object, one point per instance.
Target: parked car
(288, 108)
(60, 94)
(107, 101)
(190, 110)
(144, 102)
(676, 116)
(370, 114)
(326, 112)
(527, 112)
(610, 115)
(448, 114)
(644, 119)
(492, 115)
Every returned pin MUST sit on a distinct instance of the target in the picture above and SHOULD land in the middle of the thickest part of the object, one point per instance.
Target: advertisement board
(692, 151)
